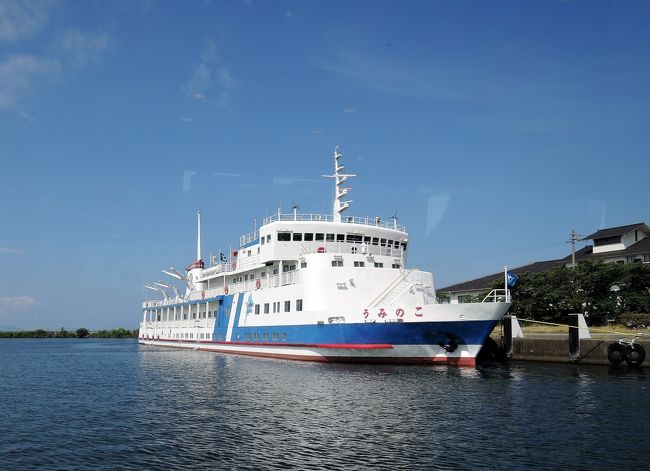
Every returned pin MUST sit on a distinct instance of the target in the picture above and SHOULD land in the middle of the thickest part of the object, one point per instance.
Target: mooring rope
(628, 334)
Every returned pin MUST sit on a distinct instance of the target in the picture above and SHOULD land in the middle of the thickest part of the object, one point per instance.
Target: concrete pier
(555, 348)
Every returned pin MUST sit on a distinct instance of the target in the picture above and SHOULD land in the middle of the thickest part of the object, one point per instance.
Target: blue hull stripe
(406, 333)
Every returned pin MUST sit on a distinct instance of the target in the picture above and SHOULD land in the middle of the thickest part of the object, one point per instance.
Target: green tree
(82, 333)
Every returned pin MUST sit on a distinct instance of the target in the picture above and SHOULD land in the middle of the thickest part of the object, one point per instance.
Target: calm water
(112, 404)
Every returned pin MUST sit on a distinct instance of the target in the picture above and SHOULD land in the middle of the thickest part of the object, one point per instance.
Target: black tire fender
(635, 354)
(616, 353)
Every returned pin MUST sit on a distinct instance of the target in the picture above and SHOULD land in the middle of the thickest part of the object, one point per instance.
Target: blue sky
(492, 128)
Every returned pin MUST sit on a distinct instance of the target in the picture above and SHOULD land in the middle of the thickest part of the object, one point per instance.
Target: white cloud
(84, 47)
(288, 14)
(210, 75)
(16, 304)
(200, 82)
(225, 82)
(11, 250)
(187, 120)
(19, 73)
(390, 76)
(349, 110)
(225, 174)
(317, 131)
(21, 19)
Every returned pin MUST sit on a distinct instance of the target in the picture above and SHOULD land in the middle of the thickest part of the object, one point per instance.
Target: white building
(622, 244)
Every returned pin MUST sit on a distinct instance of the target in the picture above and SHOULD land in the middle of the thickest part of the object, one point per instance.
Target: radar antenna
(340, 191)
(395, 219)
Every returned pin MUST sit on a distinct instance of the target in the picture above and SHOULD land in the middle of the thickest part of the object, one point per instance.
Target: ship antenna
(198, 236)
(339, 179)
(395, 219)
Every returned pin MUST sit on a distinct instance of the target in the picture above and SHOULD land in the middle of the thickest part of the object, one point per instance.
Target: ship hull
(454, 343)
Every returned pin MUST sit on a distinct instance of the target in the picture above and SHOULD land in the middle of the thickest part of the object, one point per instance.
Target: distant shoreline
(82, 333)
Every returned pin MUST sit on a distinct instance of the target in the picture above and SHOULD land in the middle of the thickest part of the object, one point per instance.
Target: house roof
(485, 281)
(640, 247)
(617, 231)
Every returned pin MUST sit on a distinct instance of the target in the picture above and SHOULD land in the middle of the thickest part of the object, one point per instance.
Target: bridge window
(268, 238)
(354, 238)
(284, 236)
(257, 309)
(297, 236)
(337, 263)
(309, 236)
(298, 305)
(359, 264)
(395, 265)
(366, 239)
(262, 240)
(287, 306)
(266, 308)
(329, 237)
(340, 237)
(383, 242)
(375, 241)
(319, 236)
(379, 265)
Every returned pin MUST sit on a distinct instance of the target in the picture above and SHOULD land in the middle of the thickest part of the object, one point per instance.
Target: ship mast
(340, 190)
(198, 236)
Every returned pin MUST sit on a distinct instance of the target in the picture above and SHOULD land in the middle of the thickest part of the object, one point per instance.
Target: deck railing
(497, 296)
(367, 221)
(270, 281)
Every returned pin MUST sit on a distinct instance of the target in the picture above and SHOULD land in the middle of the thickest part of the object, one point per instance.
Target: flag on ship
(512, 279)
(222, 256)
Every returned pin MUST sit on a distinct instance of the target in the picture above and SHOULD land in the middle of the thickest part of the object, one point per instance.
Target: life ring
(225, 290)
(258, 284)
(635, 354)
(616, 354)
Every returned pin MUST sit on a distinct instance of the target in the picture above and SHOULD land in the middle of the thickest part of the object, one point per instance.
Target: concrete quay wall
(592, 351)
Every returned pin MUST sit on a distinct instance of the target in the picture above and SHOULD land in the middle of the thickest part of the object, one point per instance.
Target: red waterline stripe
(346, 346)
(437, 361)
(442, 361)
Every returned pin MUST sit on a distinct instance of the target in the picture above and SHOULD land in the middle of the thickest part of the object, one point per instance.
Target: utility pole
(574, 237)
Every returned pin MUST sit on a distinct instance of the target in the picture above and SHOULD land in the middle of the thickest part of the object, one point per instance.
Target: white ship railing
(367, 221)
(356, 248)
(248, 238)
(497, 296)
(271, 281)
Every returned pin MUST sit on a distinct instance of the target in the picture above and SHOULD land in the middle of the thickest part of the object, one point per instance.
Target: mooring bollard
(506, 342)
(574, 337)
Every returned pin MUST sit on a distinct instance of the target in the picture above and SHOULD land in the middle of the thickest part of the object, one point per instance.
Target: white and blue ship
(322, 287)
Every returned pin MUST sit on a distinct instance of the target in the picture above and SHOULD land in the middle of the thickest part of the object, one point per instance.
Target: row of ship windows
(277, 305)
(359, 264)
(285, 269)
(267, 310)
(319, 236)
(255, 336)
